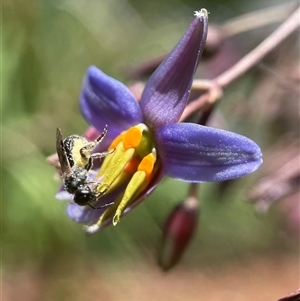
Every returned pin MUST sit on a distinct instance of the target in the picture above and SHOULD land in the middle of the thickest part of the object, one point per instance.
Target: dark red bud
(91, 134)
(295, 296)
(177, 232)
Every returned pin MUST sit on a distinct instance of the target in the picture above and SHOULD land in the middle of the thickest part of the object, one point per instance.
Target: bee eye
(83, 196)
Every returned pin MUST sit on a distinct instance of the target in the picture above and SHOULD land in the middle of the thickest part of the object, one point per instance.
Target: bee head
(84, 195)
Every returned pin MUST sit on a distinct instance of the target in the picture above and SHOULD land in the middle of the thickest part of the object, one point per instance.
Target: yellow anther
(147, 164)
(132, 138)
(116, 141)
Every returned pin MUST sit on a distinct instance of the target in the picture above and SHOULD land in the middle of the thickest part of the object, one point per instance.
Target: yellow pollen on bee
(78, 158)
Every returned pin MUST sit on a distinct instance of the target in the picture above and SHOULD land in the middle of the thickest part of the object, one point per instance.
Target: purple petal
(196, 153)
(81, 214)
(104, 100)
(63, 195)
(167, 91)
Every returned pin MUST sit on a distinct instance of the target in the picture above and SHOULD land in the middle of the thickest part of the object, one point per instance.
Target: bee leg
(102, 206)
(85, 151)
(101, 155)
(93, 172)
(90, 164)
(91, 206)
(101, 137)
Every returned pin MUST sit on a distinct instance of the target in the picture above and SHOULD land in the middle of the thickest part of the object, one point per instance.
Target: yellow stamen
(117, 162)
(133, 187)
(137, 183)
(132, 162)
(126, 173)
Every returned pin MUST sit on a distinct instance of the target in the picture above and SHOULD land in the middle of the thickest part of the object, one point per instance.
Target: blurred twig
(283, 182)
(264, 48)
(257, 19)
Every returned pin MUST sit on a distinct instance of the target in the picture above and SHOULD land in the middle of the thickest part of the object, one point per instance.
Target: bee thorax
(77, 178)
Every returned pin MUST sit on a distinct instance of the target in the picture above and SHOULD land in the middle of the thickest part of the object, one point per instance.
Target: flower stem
(258, 19)
(258, 53)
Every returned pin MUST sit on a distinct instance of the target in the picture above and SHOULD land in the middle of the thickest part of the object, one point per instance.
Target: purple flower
(147, 138)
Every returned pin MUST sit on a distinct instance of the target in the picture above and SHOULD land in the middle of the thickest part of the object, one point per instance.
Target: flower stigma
(132, 165)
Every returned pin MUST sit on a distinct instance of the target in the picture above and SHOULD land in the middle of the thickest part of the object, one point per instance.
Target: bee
(76, 160)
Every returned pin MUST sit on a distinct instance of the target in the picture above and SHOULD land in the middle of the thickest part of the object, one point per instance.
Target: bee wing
(62, 156)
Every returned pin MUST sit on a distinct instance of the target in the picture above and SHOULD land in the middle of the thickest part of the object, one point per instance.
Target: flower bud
(91, 134)
(295, 296)
(177, 232)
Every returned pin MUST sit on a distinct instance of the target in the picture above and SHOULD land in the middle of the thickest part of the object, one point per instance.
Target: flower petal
(104, 100)
(82, 214)
(167, 91)
(195, 153)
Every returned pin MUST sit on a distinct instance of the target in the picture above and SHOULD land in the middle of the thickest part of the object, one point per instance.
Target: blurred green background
(46, 49)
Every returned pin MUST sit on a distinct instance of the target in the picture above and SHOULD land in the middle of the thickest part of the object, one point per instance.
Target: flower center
(131, 165)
